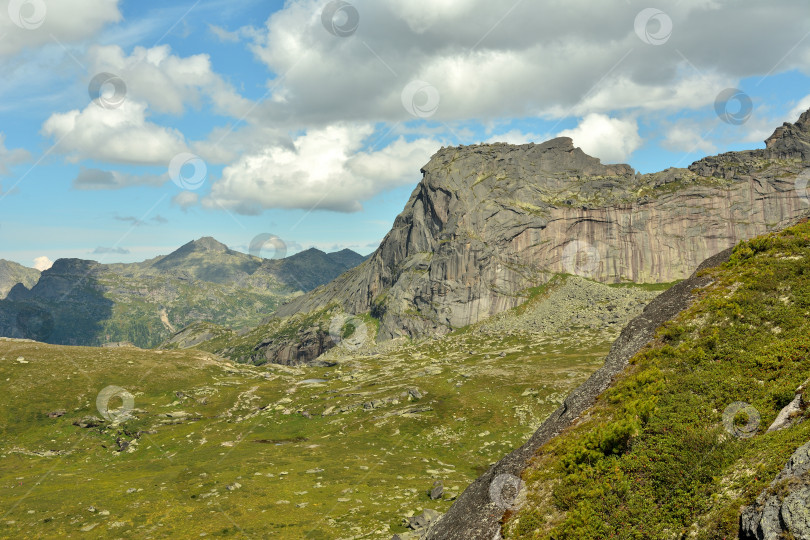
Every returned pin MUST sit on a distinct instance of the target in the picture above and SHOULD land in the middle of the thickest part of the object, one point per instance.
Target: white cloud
(491, 61)
(802, 106)
(688, 136)
(186, 199)
(66, 21)
(324, 169)
(9, 158)
(224, 35)
(166, 82)
(610, 139)
(120, 135)
(42, 263)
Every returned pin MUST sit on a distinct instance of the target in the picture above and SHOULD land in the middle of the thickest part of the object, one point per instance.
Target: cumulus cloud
(488, 60)
(166, 82)
(610, 139)
(117, 135)
(38, 22)
(325, 169)
(42, 263)
(688, 137)
(94, 179)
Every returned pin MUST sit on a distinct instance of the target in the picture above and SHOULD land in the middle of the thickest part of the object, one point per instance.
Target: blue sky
(310, 119)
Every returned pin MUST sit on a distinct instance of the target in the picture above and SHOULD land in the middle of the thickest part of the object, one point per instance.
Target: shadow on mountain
(66, 306)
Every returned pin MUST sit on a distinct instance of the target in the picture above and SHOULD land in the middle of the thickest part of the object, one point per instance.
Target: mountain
(87, 303)
(311, 268)
(382, 440)
(489, 222)
(12, 273)
(694, 427)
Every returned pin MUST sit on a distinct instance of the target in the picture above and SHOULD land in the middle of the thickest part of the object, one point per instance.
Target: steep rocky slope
(12, 273)
(488, 222)
(81, 302)
(691, 427)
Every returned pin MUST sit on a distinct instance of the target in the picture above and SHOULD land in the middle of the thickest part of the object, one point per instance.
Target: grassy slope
(652, 459)
(339, 475)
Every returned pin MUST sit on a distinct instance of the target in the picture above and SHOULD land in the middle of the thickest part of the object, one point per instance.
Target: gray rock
(783, 508)
(489, 221)
(475, 515)
(437, 490)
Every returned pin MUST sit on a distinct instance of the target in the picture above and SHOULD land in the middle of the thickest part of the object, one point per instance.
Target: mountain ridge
(84, 302)
(488, 222)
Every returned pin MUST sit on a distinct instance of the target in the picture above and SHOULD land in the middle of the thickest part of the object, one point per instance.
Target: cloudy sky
(128, 128)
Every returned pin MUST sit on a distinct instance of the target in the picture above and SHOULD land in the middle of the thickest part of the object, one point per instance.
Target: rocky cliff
(489, 221)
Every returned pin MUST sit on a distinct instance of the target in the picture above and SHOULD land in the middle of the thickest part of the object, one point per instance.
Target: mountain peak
(208, 243)
(790, 140)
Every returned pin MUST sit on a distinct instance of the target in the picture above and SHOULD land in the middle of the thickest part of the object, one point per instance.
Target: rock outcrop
(489, 221)
(477, 513)
(783, 509)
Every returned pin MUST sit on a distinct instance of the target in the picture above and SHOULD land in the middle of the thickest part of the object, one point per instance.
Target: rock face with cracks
(783, 509)
(489, 221)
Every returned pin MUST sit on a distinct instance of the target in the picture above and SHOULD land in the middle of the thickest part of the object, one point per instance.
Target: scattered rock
(437, 491)
(88, 422)
(56, 414)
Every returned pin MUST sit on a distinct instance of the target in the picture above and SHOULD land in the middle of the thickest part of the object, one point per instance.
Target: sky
(128, 128)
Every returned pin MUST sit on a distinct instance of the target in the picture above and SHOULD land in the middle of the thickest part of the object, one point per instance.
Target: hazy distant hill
(87, 303)
(12, 273)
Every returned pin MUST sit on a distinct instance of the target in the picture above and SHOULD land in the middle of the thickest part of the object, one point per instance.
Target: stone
(437, 491)
(782, 510)
(88, 422)
(473, 514)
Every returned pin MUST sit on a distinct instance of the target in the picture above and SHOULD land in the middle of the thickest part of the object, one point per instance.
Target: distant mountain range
(12, 273)
(82, 302)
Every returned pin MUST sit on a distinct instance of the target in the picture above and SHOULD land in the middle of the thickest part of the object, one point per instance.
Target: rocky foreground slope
(691, 427)
(488, 222)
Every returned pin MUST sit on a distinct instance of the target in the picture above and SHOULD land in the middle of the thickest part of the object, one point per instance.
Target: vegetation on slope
(653, 458)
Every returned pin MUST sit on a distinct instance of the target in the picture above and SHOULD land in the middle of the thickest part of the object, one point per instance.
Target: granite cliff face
(489, 221)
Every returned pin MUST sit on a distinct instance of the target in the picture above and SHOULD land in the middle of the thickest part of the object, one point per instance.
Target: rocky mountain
(86, 303)
(12, 273)
(695, 426)
(489, 222)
